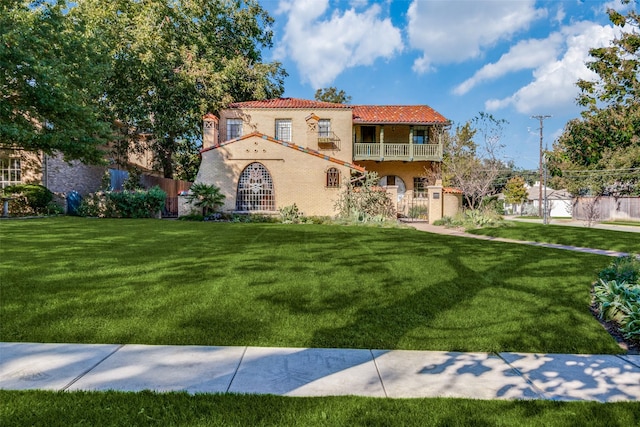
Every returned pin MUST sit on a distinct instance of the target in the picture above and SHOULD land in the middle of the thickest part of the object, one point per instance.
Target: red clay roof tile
(287, 103)
(401, 114)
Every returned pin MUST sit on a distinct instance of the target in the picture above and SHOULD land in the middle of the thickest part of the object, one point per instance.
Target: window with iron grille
(333, 178)
(283, 130)
(419, 187)
(10, 172)
(255, 189)
(234, 128)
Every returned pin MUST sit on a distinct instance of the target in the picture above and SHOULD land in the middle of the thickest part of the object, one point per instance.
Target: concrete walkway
(423, 226)
(319, 372)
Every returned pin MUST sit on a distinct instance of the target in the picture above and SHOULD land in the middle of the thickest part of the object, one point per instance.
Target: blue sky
(510, 58)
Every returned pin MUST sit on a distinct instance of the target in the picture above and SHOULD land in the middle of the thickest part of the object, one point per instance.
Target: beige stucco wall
(298, 177)
(405, 170)
(263, 121)
(452, 204)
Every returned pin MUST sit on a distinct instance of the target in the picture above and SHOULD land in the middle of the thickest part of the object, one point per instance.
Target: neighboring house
(19, 166)
(265, 155)
(559, 202)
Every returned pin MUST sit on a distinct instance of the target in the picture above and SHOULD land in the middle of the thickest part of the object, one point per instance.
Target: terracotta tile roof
(451, 190)
(289, 145)
(400, 114)
(287, 103)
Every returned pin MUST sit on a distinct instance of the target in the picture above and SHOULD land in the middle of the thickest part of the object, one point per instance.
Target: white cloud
(323, 47)
(554, 82)
(455, 31)
(527, 54)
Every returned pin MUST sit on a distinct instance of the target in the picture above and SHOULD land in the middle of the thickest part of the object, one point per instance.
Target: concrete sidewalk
(436, 229)
(319, 372)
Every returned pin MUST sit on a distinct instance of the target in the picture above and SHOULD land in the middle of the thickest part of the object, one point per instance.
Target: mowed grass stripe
(171, 282)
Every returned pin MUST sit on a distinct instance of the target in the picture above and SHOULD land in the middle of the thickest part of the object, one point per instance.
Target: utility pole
(541, 119)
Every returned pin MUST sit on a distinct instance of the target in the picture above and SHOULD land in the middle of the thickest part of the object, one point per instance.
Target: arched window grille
(333, 178)
(255, 189)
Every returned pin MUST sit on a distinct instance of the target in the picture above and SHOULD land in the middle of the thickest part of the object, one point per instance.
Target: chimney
(210, 131)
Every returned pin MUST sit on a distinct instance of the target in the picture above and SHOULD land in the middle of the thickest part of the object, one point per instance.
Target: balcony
(328, 141)
(406, 152)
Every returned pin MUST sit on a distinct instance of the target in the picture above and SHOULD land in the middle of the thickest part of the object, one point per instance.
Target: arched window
(255, 189)
(333, 178)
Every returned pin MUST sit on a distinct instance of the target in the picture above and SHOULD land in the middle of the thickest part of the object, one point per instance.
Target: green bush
(206, 197)
(622, 269)
(29, 198)
(619, 302)
(473, 218)
(124, 204)
(291, 215)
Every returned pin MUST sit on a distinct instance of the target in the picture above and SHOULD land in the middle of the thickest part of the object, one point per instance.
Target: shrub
(421, 212)
(365, 201)
(619, 302)
(206, 197)
(622, 269)
(125, 204)
(291, 215)
(29, 198)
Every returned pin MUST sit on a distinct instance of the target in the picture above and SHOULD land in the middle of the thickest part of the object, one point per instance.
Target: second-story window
(283, 130)
(420, 135)
(234, 128)
(324, 128)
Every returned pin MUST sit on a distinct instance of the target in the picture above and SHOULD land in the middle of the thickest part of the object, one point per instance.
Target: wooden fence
(606, 208)
(172, 187)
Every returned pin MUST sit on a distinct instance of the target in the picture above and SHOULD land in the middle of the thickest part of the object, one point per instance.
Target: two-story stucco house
(264, 155)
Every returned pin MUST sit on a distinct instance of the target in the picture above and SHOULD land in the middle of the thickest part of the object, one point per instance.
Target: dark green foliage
(30, 198)
(206, 197)
(622, 269)
(50, 409)
(332, 94)
(123, 204)
(51, 72)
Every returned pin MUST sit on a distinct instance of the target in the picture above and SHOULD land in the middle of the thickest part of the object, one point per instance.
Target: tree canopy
(600, 151)
(50, 91)
(174, 61)
(77, 75)
(332, 94)
(472, 166)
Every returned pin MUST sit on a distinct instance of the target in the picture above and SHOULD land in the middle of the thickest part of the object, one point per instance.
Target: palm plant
(205, 196)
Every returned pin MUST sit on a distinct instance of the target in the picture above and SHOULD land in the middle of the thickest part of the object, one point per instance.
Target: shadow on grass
(162, 282)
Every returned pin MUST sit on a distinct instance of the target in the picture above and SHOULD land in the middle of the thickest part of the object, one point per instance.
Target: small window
(10, 172)
(420, 135)
(333, 178)
(283, 130)
(234, 128)
(419, 187)
(324, 128)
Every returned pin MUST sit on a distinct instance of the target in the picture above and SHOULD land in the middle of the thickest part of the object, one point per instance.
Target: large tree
(472, 166)
(332, 94)
(600, 151)
(175, 60)
(50, 73)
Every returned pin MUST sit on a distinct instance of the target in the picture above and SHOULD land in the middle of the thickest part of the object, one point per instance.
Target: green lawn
(39, 408)
(566, 235)
(172, 282)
